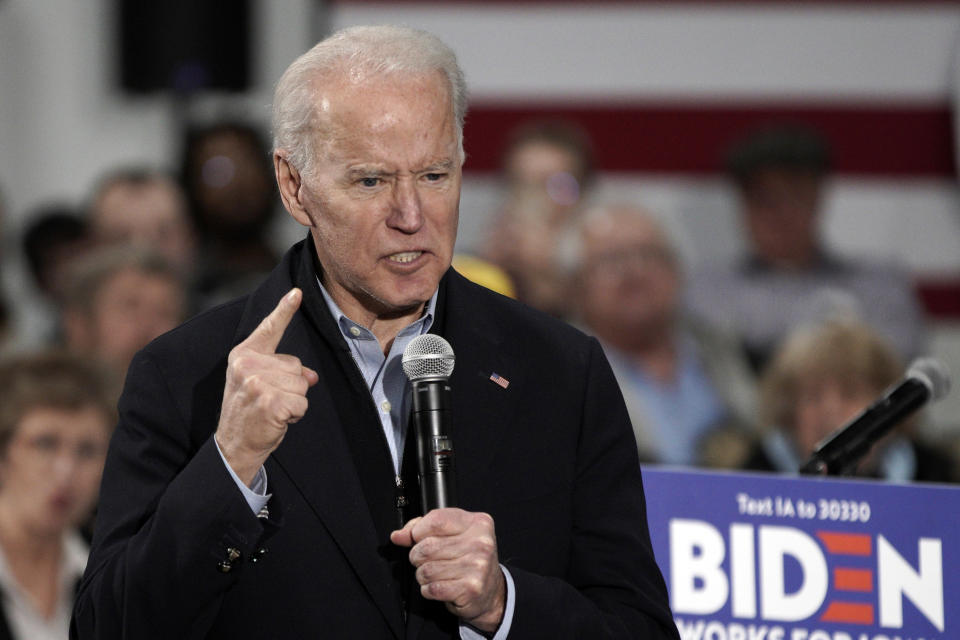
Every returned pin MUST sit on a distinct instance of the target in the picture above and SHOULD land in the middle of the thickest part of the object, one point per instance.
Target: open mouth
(405, 257)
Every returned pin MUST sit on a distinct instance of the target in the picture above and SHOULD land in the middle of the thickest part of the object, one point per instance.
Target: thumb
(404, 537)
(311, 375)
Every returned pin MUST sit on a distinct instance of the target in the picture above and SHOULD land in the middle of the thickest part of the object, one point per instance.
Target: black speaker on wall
(184, 45)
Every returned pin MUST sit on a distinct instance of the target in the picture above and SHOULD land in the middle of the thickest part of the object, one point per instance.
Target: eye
(435, 177)
(89, 450)
(45, 443)
(369, 182)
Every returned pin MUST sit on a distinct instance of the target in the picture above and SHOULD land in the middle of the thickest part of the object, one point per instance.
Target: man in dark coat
(258, 485)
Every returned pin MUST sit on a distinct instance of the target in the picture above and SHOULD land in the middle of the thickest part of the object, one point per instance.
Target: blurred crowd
(744, 365)
(736, 366)
(148, 248)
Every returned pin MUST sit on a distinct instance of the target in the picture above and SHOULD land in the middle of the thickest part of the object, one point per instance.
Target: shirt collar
(345, 323)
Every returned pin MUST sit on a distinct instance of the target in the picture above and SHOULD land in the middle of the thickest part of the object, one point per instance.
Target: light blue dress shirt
(384, 373)
(389, 390)
(682, 410)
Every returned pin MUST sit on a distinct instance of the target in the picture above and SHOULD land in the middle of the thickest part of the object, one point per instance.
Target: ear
(289, 182)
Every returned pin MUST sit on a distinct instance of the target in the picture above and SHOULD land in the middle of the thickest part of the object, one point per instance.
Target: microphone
(428, 362)
(837, 454)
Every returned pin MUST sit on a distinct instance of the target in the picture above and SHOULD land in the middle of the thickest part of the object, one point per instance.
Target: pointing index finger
(266, 336)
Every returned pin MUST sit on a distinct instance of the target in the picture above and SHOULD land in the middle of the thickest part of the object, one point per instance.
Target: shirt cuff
(469, 633)
(256, 494)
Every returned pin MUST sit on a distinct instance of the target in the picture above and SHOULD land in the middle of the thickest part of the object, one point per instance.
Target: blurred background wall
(662, 87)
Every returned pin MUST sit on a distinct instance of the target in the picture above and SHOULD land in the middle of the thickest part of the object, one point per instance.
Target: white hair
(569, 255)
(373, 50)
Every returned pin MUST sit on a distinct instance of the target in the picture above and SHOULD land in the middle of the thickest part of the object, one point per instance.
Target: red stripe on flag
(853, 579)
(850, 612)
(850, 544)
(691, 137)
(941, 298)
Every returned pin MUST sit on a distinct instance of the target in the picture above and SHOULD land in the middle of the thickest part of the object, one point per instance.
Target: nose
(406, 214)
(836, 407)
(65, 464)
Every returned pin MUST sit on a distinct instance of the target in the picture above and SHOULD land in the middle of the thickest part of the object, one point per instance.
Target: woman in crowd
(819, 379)
(55, 422)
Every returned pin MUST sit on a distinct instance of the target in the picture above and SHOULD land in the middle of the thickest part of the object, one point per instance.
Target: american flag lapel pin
(500, 380)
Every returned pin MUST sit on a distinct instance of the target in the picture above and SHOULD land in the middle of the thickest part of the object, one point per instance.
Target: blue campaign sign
(751, 556)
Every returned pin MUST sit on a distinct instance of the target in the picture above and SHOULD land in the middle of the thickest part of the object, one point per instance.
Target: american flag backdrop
(664, 87)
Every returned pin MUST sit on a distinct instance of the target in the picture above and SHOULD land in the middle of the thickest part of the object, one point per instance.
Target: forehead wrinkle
(360, 152)
(340, 138)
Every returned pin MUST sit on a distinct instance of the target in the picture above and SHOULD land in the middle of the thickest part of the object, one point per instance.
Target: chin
(401, 305)
(407, 294)
(53, 526)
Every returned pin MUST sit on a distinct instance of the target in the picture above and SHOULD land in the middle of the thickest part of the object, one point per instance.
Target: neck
(384, 323)
(659, 361)
(386, 329)
(33, 560)
(22, 542)
(654, 349)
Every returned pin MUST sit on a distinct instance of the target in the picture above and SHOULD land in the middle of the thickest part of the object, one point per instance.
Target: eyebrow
(365, 172)
(444, 165)
(362, 172)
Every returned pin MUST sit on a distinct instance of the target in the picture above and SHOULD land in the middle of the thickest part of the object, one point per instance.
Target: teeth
(407, 256)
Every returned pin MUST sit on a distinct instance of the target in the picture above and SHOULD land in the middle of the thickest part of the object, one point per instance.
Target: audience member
(55, 422)
(820, 378)
(53, 240)
(679, 377)
(120, 299)
(547, 168)
(228, 177)
(148, 209)
(56, 236)
(789, 277)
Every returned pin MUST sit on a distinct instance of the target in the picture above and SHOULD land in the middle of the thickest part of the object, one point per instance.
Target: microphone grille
(933, 374)
(428, 356)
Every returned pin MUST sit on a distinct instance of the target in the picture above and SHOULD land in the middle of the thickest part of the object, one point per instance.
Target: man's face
(383, 197)
(630, 282)
(781, 209)
(153, 215)
(547, 170)
(230, 183)
(131, 309)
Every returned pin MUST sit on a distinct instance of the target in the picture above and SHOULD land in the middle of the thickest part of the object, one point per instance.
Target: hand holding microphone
(454, 551)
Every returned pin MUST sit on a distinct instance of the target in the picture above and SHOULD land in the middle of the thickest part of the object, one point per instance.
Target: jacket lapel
(314, 453)
(482, 408)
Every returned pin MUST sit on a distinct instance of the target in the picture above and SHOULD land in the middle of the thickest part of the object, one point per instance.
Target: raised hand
(455, 553)
(264, 392)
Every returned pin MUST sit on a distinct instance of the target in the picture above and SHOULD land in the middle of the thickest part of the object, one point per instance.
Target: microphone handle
(839, 453)
(435, 457)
